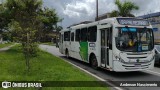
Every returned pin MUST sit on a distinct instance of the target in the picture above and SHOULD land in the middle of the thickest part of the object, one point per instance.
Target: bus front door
(104, 48)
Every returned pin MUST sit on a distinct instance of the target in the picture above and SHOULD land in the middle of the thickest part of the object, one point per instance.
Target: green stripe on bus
(84, 50)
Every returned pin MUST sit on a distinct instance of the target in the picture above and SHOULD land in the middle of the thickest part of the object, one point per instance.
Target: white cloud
(78, 9)
(75, 11)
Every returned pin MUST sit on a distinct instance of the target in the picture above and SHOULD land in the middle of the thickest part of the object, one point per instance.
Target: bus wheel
(94, 63)
(67, 53)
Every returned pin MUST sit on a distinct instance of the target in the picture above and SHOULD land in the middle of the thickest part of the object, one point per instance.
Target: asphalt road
(113, 77)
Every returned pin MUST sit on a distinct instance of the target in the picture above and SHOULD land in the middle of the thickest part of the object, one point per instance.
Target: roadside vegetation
(44, 67)
(124, 9)
(5, 45)
(27, 22)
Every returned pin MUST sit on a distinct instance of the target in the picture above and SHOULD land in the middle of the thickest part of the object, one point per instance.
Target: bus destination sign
(132, 21)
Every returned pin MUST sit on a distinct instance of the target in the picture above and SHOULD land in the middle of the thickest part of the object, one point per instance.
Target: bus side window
(92, 34)
(110, 38)
(84, 35)
(78, 35)
(72, 36)
(67, 36)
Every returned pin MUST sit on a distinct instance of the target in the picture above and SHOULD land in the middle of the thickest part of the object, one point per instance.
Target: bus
(117, 44)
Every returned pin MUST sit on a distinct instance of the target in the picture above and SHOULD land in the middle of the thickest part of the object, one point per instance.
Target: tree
(124, 9)
(27, 20)
(24, 24)
(4, 19)
(49, 19)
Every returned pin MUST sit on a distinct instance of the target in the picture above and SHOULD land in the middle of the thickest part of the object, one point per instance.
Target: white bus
(116, 44)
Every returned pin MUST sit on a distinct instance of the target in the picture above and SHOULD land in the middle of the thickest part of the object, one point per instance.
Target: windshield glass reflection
(134, 39)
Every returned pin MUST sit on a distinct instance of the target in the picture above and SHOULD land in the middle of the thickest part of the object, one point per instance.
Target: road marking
(153, 72)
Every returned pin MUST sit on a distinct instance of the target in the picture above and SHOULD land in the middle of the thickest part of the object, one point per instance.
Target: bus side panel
(84, 51)
(110, 59)
(77, 51)
(80, 51)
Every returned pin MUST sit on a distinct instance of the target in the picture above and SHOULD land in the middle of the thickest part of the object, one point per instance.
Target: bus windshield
(134, 39)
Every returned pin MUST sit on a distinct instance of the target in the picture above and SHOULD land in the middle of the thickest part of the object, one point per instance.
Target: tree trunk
(27, 54)
(1, 39)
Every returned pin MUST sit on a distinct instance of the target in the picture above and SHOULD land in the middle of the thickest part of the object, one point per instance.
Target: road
(112, 77)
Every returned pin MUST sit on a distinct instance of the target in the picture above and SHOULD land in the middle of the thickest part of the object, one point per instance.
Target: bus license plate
(137, 65)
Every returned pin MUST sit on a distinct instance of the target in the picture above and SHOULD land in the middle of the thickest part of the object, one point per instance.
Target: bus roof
(111, 20)
(104, 21)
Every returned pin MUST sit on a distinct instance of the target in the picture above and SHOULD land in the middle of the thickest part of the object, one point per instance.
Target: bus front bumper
(125, 67)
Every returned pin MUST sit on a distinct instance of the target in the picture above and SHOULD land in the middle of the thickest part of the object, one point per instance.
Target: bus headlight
(119, 59)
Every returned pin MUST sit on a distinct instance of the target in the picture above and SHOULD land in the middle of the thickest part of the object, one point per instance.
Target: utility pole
(96, 10)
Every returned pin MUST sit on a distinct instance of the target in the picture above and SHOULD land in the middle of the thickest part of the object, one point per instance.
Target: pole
(96, 10)
(27, 54)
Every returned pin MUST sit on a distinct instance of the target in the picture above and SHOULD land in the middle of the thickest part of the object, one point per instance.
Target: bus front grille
(136, 57)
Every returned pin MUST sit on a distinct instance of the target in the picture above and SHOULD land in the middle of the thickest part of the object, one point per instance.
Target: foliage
(58, 28)
(124, 9)
(46, 17)
(26, 22)
(49, 19)
(4, 17)
(27, 40)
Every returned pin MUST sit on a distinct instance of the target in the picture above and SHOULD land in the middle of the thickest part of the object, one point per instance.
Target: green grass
(45, 67)
(5, 45)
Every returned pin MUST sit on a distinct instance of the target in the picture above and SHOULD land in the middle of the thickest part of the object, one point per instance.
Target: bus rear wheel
(67, 53)
(94, 62)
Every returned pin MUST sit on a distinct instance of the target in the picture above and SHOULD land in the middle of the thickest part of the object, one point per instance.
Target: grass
(45, 67)
(5, 45)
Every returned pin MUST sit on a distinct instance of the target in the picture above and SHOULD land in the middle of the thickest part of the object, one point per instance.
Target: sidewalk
(6, 48)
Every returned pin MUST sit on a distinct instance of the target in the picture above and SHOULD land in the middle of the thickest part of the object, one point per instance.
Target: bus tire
(67, 53)
(94, 62)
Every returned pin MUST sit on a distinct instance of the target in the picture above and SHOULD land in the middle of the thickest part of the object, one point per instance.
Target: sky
(75, 11)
